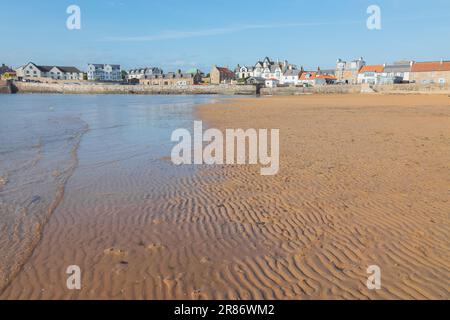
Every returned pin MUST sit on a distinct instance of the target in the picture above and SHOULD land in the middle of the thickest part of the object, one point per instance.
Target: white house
(370, 74)
(142, 73)
(291, 77)
(269, 69)
(272, 83)
(397, 72)
(244, 72)
(104, 72)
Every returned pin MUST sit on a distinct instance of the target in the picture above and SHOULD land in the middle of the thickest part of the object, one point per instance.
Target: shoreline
(225, 232)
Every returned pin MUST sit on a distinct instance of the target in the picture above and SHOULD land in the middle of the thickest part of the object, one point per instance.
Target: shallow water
(44, 139)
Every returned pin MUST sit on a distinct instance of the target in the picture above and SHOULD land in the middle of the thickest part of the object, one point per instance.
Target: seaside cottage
(244, 72)
(315, 78)
(291, 77)
(308, 78)
(135, 74)
(398, 72)
(104, 72)
(370, 74)
(6, 73)
(433, 72)
(177, 78)
(221, 75)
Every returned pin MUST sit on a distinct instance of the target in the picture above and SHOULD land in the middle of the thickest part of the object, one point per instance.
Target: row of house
(434, 72)
(95, 72)
(266, 72)
(178, 78)
(32, 70)
(358, 72)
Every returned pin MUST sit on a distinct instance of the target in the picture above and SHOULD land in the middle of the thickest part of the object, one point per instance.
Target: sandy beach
(364, 180)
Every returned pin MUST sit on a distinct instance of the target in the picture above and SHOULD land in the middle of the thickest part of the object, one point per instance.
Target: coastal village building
(433, 72)
(32, 70)
(221, 75)
(370, 74)
(172, 79)
(6, 73)
(291, 77)
(244, 72)
(267, 69)
(347, 71)
(272, 83)
(316, 78)
(308, 78)
(398, 72)
(142, 73)
(104, 72)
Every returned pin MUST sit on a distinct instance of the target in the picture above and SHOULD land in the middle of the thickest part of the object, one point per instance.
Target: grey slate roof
(395, 68)
(290, 73)
(69, 69)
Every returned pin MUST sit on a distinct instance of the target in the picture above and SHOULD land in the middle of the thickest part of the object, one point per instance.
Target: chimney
(442, 61)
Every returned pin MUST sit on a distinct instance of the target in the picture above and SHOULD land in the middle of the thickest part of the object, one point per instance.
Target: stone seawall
(90, 88)
(291, 91)
(342, 89)
(27, 87)
(5, 87)
(413, 88)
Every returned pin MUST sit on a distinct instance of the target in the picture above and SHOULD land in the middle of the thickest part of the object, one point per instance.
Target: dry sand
(364, 180)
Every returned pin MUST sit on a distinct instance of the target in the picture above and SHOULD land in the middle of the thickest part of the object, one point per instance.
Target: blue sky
(183, 33)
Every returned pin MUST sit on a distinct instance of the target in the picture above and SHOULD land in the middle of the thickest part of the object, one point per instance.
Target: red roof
(372, 68)
(326, 76)
(312, 74)
(431, 66)
(226, 71)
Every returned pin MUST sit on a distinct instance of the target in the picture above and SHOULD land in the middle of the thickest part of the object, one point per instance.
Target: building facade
(398, 72)
(172, 79)
(221, 75)
(32, 70)
(244, 72)
(370, 74)
(137, 74)
(104, 72)
(433, 72)
(347, 71)
(291, 77)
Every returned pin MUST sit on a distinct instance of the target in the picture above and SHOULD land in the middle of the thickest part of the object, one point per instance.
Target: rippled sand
(363, 180)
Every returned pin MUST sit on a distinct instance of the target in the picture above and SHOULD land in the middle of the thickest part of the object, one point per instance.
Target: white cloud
(172, 35)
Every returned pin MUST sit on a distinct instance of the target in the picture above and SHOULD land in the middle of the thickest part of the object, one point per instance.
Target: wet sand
(364, 180)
